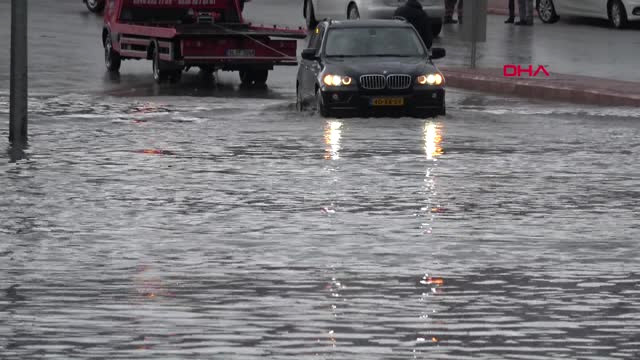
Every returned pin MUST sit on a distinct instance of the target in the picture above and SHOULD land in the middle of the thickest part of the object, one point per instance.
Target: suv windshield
(373, 41)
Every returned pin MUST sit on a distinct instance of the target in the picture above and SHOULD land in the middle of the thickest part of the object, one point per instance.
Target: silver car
(618, 12)
(317, 10)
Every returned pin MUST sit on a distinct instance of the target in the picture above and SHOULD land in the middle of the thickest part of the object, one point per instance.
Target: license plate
(387, 101)
(241, 52)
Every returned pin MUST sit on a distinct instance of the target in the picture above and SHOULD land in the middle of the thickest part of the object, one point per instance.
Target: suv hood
(356, 66)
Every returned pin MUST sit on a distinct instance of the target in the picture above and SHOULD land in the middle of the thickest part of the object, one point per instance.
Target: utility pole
(19, 83)
(474, 29)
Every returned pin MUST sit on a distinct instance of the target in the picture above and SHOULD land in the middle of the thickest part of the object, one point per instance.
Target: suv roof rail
(399, 18)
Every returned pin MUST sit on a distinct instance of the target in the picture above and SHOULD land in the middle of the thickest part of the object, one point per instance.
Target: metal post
(473, 54)
(474, 36)
(19, 86)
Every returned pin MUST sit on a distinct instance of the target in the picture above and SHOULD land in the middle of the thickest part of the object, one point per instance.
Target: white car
(619, 12)
(318, 10)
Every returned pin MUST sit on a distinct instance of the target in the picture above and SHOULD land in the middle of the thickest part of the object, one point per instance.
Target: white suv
(317, 10)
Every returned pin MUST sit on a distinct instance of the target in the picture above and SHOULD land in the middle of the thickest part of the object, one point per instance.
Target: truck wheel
(260, 76)
(257, 77)
(95, 6)
(111, 58)
(159, 75)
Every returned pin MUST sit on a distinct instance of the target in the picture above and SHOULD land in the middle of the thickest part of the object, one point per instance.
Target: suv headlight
(430, 79)
(336, 80)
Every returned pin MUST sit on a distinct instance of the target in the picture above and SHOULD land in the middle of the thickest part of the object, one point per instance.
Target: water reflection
(430, 285)
(332, 137)
(432, 140)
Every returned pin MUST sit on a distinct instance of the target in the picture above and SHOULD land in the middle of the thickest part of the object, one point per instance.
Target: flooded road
(213, 222)
(193, 228)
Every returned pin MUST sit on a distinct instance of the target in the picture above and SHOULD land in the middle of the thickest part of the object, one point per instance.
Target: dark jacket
(412, 11)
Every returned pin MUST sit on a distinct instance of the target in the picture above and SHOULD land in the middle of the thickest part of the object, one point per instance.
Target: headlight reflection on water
(332, 138)
(432, 140)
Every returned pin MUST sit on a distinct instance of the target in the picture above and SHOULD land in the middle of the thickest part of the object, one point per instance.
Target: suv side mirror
(309, 54)
(438, 53)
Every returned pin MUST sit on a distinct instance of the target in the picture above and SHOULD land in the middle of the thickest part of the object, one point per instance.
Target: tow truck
(177, 35)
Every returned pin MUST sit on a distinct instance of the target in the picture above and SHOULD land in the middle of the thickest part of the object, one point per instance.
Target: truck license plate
(387, 101)
(241, 52)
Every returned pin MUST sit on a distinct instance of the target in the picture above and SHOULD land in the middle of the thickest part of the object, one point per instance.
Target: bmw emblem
(385, 72)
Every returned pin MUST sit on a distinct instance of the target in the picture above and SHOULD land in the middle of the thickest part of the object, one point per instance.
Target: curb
(580, 92)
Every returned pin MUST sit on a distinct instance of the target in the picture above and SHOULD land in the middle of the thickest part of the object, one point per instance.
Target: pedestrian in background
(525, 7)
(413, 12)
(449, 9)
(512, 12)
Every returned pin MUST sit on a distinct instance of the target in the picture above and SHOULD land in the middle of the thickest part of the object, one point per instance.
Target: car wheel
(436, 28)
(111, 58)
(299, 101)
(547, 11)
(618, 14)
(353, 13)
(310, 15)
(95, 6)
(320, 108)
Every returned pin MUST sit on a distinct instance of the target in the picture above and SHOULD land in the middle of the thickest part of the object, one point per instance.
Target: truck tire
(112, 58)
(254, 77)
(95, 6)
(159, 75)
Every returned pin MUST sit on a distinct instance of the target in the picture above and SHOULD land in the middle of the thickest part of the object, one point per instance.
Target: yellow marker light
(317, 30)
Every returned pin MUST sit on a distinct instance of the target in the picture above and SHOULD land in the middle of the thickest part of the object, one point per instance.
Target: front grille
(398, 82)
(373, 82)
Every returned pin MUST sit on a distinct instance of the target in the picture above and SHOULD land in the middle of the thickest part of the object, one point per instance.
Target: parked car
(369, 66)
(316, 10)
(618, 12)
(95, 6)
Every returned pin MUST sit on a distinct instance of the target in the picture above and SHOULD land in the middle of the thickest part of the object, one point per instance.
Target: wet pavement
(205, 222)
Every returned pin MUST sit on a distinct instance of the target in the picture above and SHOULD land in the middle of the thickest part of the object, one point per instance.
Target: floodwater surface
(177, 227)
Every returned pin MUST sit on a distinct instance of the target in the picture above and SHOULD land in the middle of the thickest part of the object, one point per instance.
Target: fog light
(335, 97)
(636, 11)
